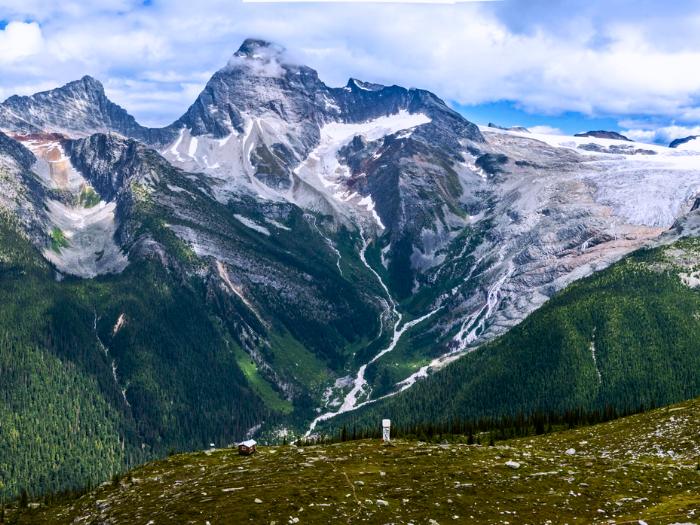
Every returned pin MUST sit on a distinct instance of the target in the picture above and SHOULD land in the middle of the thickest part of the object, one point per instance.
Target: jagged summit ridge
(76, 109)
(256, 48)
(87, 86)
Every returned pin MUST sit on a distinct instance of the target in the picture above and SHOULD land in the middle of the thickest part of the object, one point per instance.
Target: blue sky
(507, 113)
(628, 65)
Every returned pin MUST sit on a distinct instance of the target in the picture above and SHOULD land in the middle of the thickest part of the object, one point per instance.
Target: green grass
(298, 362)
(620, 471)
(58, 240)
(89, 198)
(260, 385)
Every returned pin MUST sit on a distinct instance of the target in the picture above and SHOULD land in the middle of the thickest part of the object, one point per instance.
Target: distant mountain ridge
(78, 108)
(512, 128)
(684, 140)
(602, 134)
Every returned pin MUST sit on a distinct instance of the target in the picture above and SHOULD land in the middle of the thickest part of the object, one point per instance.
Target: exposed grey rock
(677, 142)
(77, 109)
(24, 158)
(279, 217)
(602, 134)
(521, 129)
(617, 149)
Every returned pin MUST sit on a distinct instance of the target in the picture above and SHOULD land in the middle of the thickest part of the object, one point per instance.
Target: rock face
(602, 134)
(109, 162)
(21, 156)
(521, 129)
(77, 109)
(22, 195)
(679, 142)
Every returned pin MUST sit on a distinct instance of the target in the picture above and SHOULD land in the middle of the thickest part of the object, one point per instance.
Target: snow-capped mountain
(375, 228)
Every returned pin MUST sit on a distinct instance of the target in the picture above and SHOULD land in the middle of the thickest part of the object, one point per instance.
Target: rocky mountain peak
(85, 88)
(257, 48)
(90, 85)
(679, 142)
(354, 83)
(603, 134)
(76, 109)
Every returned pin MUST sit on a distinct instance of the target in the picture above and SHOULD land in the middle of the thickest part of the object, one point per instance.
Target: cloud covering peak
(624, 59)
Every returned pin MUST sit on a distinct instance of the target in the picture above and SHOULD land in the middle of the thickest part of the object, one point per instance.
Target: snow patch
(192, 149)
(252, 224)
(368, 204)
(121, 321)
(322, 169)
(89, 232)
(277, 224)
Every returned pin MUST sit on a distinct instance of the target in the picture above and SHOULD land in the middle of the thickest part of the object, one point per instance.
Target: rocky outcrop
(679, 142)
(602, 134)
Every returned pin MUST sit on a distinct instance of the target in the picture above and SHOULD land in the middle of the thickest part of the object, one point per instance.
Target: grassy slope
(641, 467)
(644, 324)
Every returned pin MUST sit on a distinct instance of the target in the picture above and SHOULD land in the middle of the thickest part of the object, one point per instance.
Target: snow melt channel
(359, 388)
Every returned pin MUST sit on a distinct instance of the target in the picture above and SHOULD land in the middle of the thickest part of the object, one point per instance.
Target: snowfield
(321, 177)
(642, 189)
(91, 249)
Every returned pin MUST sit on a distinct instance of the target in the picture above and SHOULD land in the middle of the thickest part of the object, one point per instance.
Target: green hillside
(644, 467)
(98, 375)
(65, 361)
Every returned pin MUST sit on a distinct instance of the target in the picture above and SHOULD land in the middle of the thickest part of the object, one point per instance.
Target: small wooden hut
(246, 448)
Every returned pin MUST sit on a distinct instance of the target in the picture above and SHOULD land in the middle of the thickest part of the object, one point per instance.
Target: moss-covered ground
(643, 467)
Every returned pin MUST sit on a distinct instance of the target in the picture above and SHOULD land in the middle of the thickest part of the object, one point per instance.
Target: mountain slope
(235, 338)
(619, 471)
(624, 337)
(89, 386)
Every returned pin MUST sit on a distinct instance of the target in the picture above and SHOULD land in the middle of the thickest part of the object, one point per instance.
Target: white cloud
(662, 135)
(545, 130)
(630, 58)
(20, 40)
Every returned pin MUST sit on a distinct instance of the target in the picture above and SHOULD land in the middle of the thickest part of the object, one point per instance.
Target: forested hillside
(628, 336)
(71, 416)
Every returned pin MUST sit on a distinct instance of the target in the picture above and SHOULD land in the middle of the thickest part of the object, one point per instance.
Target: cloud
(625, 58)
(662, 135)
(546, 130)
(20, 40)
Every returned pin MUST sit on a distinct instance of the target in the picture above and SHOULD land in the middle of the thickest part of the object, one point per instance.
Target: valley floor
(640, 469)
